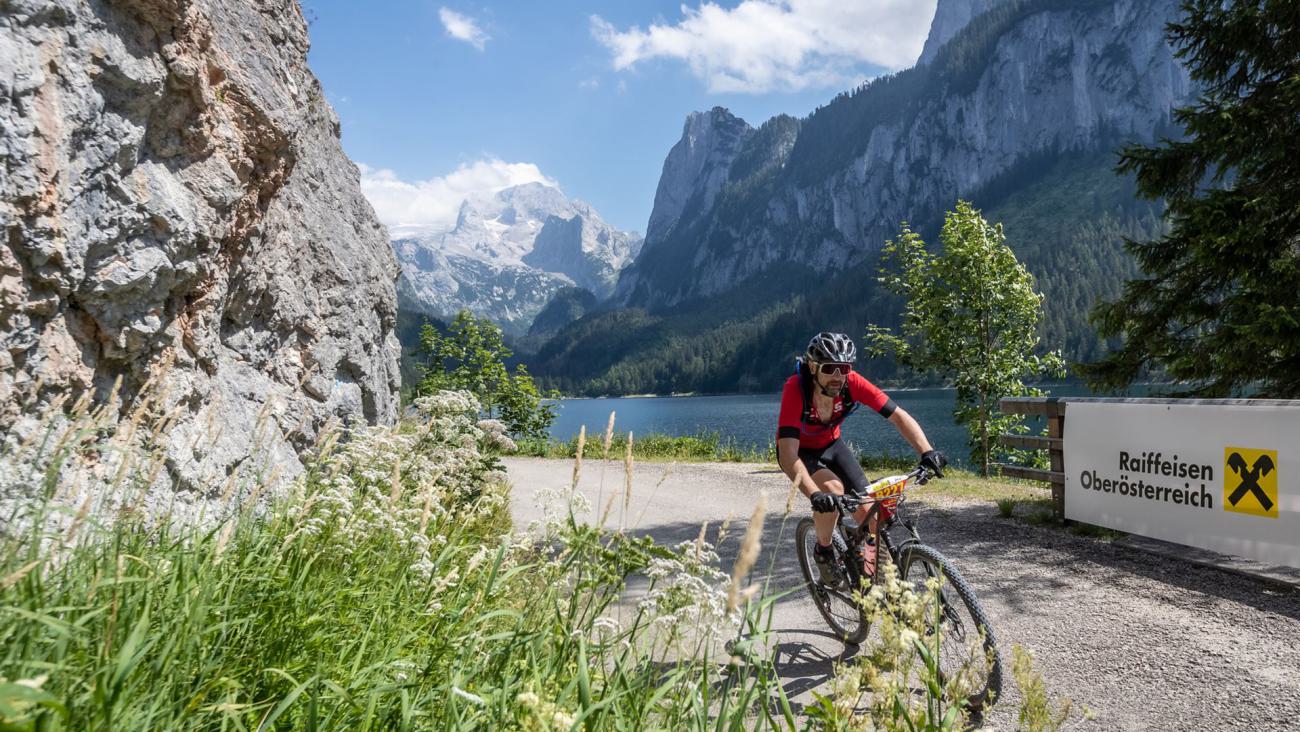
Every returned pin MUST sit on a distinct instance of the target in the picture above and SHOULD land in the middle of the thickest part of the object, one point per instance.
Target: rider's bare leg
(824, 523)
(869, 551)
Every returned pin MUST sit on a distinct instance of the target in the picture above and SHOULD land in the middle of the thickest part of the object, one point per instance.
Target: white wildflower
(562, 719)
(34, 683)
(606, 624)
(528, 699)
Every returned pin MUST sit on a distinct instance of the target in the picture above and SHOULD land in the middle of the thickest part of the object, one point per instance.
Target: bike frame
(958, 604)
(854, 536)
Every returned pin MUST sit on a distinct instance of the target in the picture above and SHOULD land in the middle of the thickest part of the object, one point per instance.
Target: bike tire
(844, 616)
(919, 562)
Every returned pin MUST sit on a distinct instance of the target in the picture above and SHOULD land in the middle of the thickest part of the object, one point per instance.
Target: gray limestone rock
(950, 16)
(175, 203)
(696, 167)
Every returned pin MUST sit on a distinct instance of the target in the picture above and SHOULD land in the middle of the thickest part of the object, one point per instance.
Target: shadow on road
(1004, 557)
(980, 541)
(1142, 640)
(804, 666)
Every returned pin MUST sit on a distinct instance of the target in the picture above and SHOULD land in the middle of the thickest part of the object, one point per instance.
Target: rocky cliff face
(175, 204)
(950, 17)
(1026, 80)
(509, 254)
(696, 167)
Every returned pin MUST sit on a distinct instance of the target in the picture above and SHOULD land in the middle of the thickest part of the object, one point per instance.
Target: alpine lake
(749, 420)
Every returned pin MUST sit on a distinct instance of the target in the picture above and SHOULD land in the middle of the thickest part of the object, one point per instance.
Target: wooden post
(1054, 410)
(1056, 428)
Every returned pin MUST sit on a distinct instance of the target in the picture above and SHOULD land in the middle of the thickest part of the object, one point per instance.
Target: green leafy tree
(522, 409)
(472, 356)
(1220, 307)
(971, 316)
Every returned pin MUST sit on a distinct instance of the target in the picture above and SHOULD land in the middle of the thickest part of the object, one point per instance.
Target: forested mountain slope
(1020, 112)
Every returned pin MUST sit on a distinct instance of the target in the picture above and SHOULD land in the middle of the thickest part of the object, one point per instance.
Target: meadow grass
(704, 447)
(385, 589)
(657, 446)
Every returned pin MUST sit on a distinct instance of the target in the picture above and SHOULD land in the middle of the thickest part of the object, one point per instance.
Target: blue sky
(438, 99)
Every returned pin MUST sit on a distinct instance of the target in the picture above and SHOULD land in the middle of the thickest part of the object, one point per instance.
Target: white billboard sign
(1224, 477)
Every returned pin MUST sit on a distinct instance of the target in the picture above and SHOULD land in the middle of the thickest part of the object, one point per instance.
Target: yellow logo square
(1250, 481)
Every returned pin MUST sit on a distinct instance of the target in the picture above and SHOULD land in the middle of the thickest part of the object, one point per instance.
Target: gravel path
(1140, 642)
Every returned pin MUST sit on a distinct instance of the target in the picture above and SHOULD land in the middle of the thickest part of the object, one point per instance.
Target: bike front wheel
(966, 643)
(842, 613)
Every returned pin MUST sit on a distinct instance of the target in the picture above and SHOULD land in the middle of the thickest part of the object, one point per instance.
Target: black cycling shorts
(839, 459)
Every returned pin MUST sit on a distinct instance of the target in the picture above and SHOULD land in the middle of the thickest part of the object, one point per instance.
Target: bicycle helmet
(831, 348)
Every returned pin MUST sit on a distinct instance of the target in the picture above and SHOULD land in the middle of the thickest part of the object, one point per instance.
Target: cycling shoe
(832, 575)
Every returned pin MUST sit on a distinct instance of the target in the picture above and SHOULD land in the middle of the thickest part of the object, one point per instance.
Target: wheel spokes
(838, 606)
(961, 643)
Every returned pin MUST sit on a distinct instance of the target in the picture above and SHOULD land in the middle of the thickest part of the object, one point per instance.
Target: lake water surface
(750, 419)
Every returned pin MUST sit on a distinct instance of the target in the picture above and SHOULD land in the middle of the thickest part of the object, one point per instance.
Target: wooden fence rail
(1054, 410)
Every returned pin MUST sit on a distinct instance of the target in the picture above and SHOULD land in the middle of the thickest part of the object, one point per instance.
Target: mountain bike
(967, 638)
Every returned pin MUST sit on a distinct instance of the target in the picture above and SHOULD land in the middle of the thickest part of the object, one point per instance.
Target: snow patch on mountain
(508, 254)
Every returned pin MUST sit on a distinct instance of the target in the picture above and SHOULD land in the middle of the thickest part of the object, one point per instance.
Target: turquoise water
(750, 419)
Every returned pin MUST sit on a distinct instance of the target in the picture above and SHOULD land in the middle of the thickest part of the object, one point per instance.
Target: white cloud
(432, 205)
(462, 28)
(778, 45)
(589, 83)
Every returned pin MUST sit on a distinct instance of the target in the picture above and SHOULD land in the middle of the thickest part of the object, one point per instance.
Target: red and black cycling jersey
(800, 419)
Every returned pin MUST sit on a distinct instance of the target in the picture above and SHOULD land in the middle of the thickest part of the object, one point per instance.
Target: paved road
(1144, 643)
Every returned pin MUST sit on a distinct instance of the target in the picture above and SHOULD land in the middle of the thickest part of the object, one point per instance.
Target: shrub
(471, 357)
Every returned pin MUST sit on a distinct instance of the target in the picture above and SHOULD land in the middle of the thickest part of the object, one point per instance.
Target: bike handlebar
(920, 474)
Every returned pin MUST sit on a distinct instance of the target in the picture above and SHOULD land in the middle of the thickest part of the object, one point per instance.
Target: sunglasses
(834, 369)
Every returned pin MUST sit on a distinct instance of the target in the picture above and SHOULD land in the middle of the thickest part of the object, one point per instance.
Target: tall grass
(702, 447)
(384, 590)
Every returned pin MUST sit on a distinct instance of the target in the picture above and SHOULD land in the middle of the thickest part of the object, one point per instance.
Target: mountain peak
(534, 200)
(696, 167)
(718, 119)
(950, 16)
(509, 252)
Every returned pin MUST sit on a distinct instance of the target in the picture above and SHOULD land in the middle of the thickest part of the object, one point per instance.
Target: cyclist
(821, 395)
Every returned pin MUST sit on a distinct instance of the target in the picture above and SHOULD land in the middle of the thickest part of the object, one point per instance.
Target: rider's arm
(910, 430)
(789, 424)
(868, 394)
(787, 456)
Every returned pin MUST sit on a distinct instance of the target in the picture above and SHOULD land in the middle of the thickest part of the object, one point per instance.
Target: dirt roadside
(1142, 642)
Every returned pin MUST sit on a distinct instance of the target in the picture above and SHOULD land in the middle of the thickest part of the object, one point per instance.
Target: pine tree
(1220, 306)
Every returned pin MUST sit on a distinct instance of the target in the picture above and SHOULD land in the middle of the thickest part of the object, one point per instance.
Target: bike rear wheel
(967, 644)
(844, 616)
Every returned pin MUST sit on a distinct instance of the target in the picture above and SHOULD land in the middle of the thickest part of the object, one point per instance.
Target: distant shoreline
(777, 392)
